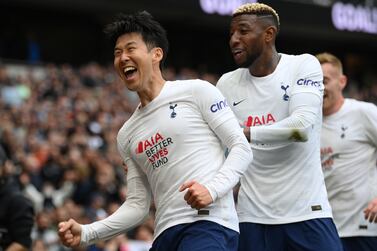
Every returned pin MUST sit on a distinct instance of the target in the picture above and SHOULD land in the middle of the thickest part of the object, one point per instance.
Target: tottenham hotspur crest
(344, 128)
(284, 88)
(173, 114)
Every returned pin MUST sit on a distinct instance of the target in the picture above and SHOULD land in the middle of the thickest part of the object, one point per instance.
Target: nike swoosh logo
(237, 103)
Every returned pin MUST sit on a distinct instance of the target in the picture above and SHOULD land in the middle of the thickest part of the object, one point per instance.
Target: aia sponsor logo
(219, 106)
(328, 157)
(257, 120)
(156, 149)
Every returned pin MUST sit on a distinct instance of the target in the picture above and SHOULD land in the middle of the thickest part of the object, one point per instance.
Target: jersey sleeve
(369, 116)
(129, 215)
(305, 105)
(309, 76)
(221, 83)
(223, 122)
(304, 111)
(212, 104)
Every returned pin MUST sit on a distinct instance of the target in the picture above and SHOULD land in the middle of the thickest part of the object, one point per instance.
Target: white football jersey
(349, 155)
(172, 140)
(284, 183)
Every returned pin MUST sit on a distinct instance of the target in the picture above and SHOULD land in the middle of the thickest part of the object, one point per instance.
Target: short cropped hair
(260, 10)
(143, 23)
(326, 57)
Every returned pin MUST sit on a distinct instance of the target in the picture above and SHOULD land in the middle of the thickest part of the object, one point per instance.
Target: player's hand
(197, 195)
(246, 131)
(70, 233)
(371, 211)
(125, 167)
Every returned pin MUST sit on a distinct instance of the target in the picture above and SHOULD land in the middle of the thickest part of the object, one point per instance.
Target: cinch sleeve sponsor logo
(219, 106)
(309, 82)
(155, 149)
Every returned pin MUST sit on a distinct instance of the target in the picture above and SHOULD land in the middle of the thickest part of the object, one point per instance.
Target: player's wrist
(212, 192)
(246, 131)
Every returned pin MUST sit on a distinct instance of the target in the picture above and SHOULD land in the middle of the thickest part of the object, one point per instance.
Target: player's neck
(335, 108)
(152, 90)
(266, 64)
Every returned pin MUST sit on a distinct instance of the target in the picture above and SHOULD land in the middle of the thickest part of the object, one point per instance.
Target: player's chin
(239, 61)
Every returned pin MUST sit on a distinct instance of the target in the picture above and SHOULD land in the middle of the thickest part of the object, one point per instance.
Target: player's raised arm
(130, 214)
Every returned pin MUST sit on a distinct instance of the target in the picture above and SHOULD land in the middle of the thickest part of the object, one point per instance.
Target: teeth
(129, 68)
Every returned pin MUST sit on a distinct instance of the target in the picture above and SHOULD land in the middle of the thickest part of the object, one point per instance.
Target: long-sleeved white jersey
(176, 138)
(349, 155)
(284, 183)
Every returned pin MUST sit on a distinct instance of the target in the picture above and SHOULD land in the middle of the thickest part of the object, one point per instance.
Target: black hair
(143, 23)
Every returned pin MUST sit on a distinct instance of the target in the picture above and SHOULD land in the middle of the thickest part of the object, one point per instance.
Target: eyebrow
(126, 45)
(244, 24)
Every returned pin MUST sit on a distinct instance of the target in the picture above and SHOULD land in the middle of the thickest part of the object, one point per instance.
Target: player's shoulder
(363, 112)
(196, 87)
(360, 106)
(300, 58)
(187, 82)
(230, 77)
(306, 65)
(127, 129)
(192, 84)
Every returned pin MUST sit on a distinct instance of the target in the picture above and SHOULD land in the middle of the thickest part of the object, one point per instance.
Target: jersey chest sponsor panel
(260, 104)
(265, 100)
(160, 141)
(346, 151)
(344, 145)
(348, 160)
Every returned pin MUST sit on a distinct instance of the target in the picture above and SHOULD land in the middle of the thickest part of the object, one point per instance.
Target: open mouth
(129, 72)
(236, 52)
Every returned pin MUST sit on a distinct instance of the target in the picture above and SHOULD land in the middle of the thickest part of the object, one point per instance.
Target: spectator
(16, 211)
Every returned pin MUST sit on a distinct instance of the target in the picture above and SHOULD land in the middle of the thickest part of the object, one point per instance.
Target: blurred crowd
(58, 128)
(365, 90)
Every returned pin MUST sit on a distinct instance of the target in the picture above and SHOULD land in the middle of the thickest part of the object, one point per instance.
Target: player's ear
(157, 54)
(270, 33)
(343, 81)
